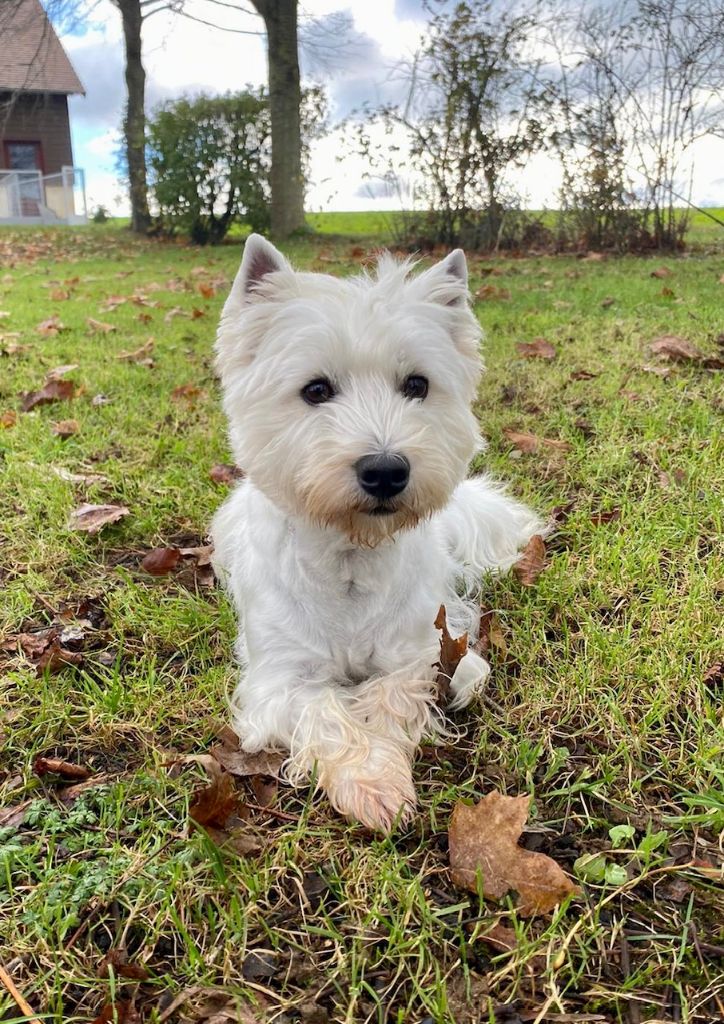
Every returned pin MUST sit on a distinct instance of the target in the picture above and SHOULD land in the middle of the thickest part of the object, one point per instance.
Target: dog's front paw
(468, 679)
(377, 799)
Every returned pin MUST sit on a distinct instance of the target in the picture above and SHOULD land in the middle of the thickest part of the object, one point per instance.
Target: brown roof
(31, 56)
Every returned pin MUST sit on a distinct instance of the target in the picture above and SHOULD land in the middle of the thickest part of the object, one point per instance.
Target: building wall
(43, 118)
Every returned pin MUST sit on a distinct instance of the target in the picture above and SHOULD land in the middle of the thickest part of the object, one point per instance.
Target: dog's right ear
(259, 260)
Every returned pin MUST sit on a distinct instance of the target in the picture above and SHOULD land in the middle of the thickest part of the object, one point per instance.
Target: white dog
(349, 411)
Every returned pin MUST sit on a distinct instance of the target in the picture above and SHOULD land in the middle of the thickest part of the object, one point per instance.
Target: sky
(183, 56)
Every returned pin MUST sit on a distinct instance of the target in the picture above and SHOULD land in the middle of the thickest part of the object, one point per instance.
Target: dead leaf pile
(483, 841)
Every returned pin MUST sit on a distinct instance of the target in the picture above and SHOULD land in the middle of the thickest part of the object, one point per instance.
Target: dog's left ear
(447, 282)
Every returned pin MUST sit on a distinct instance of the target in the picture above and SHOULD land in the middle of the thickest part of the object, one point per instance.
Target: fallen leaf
(138, 355)
(608, 301)
(52, 391)
(667, 293)
(55, 658)
(123, 1011)
(50, 327)
(678, 350)
(490, 636)
(58, 766)
(214, 804)
(539, 348)
(662, 272)
(174, 312)
(659, 371)
(66, 428)
(607, 516)
(490, 291)
(92, 518)
(452, 651)
(189, 392)
(99, 326)
(207, 290)
(79, 478)
(582, 375)
(161, 561)
(483, 842)
(531, 562)
(61, 371)
(197, 313)
(530, 443)
(223, 473)
(8, 419)
(116, 960)
(714, 677)
(243, 764)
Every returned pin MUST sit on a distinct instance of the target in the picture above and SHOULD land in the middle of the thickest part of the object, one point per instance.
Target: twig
(17, 995)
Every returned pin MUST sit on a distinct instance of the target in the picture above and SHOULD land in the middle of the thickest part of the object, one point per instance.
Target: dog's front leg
(366, 775)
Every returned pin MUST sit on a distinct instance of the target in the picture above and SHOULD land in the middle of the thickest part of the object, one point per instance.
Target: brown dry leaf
(8, 419)
(50, 327)
(667, 293)
(123, 1011)
(531, 562)
(61, 371)
(144, 318)
(243, 764)
(161, 561)
(608, 301)
(539, 348)
(53, 390)
(207, 290)
(113, 302)
(452, 651)
(490, 291)
(714, 677)
(66, 428)
(174, 312)
(92, 518)
(58, 766)
(138, 355)
(530, 443)
(223, 473)
(79, 478)
(55, 658)
(189, 392)
(214, 804)
(99, 326)
(117, 960)
(662, 272)
(59, 294)
(582, 375)
(606, 516)
(490, 636)
(659, 371)
(483, 842)
(197, 313)
(678, 350)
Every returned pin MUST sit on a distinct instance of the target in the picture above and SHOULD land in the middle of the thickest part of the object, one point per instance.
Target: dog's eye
(415, 387)
(317, 392)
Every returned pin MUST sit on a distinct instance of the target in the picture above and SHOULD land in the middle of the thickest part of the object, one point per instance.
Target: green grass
(600, 708)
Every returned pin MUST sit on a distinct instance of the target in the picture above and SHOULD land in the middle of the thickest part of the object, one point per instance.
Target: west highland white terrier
(349, 409)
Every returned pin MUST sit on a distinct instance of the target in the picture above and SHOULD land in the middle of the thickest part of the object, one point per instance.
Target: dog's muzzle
(383, 476)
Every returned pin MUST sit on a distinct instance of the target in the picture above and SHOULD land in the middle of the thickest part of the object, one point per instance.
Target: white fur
(337, 606)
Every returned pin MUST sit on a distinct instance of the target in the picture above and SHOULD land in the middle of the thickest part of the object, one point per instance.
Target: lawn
(605, 702)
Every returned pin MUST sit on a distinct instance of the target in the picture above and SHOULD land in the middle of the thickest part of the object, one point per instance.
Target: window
(23, 156)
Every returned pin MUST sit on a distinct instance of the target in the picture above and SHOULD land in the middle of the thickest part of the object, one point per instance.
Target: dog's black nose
(383, 476)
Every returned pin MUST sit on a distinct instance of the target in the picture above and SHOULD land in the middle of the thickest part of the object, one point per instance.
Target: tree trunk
(287, 182)
(134, 123)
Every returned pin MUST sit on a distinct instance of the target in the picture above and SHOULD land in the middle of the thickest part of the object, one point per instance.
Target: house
(38, 182)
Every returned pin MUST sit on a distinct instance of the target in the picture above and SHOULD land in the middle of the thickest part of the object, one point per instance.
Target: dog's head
(349, 400)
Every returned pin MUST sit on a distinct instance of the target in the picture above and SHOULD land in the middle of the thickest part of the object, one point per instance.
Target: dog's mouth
(382, 510)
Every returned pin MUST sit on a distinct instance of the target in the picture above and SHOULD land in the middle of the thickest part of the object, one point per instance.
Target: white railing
(29, 197)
